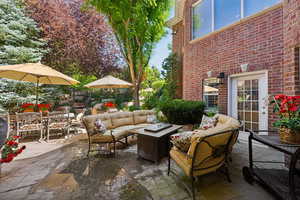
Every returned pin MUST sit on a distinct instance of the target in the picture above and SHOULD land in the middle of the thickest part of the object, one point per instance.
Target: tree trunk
(136, 95)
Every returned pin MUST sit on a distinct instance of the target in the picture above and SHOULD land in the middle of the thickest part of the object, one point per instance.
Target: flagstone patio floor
(67, 173)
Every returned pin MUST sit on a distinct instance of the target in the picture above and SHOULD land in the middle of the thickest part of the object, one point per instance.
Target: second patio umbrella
(35, 73)
(109, 82)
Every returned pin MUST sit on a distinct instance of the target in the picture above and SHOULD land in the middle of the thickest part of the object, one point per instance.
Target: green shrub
(182, 112)
(133, 108)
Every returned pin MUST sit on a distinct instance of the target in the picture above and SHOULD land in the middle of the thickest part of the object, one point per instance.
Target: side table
(284, 183)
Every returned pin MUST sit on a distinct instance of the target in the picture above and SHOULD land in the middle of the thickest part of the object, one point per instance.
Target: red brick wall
(291, 27)
(257, 41)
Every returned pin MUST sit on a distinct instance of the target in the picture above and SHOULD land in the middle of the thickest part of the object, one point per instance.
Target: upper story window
(211, 15)
(202, 18)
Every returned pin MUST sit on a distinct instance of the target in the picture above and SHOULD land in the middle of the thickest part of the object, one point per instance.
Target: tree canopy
(78, 38)
(138, 26)
(19, 35)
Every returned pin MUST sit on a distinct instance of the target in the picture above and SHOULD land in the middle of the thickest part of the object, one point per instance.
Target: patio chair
(95, 138)
(209, 151)
(58, 120)
(29, 122)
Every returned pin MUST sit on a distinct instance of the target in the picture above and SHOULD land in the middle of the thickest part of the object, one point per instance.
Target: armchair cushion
(182, 140)
(208, 122)
(182, 160)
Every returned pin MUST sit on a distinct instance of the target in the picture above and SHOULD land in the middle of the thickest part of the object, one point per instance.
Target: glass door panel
(247, 103)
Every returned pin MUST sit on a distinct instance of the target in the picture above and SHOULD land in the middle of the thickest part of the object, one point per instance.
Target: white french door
(248, 100)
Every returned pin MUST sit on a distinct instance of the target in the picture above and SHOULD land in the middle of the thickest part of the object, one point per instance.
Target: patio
(67, 173)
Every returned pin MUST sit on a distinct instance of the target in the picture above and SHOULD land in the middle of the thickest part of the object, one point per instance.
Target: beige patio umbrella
(35, 73)
(109, 82)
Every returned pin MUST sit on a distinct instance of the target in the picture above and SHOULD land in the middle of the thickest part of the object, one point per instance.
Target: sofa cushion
(140, 116)
(98, 138)
(99, 126)
(121, 119)
(182, 140)
(89, 122)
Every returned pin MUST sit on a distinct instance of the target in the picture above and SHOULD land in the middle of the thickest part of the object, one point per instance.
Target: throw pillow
(182, 140)
(99, 126)
(151, 119)
(208, 122)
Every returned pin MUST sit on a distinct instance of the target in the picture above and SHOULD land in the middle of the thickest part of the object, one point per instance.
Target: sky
(161, 51)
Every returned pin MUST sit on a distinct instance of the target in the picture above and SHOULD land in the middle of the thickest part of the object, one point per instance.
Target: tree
(78, 38)
(19, 43)
(19, 35)
(151, 75)
(170, 66)
(138, 26)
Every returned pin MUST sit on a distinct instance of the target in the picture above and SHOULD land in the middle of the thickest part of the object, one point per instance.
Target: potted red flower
(44, 108)
(109, 105)
(27, 107)
(288, 108)
(10, 149)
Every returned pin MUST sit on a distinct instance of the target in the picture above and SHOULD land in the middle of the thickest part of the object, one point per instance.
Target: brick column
(291, 38)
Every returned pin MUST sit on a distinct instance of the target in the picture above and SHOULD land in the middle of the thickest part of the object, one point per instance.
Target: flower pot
(289, 136)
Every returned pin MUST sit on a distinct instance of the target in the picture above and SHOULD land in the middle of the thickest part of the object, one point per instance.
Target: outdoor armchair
(29, 122)
(209, 150)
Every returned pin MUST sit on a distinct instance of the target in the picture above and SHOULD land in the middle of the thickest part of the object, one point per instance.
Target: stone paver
(66, 173)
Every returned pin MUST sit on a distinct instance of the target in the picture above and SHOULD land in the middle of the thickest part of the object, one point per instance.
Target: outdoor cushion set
(116, 125)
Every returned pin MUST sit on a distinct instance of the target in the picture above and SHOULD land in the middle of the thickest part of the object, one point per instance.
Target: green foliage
(179, 111)
(157, 85)
(151, 75)
(138, 26)
(19, 35)
(170, 72)
(291, 123)
(83, 80)
(133, 108)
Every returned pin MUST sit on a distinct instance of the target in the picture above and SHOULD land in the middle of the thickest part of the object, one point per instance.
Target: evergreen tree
(19, 35)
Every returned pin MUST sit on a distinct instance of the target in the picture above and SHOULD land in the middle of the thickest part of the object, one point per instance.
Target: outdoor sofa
(118, 126)
(209, 150)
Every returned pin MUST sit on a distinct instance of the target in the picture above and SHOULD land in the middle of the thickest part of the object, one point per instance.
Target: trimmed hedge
(183, 112)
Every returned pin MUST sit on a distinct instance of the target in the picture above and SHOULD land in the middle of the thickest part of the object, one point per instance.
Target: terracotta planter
(289, 136)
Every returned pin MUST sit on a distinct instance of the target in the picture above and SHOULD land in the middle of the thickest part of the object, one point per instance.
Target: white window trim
(242, 14)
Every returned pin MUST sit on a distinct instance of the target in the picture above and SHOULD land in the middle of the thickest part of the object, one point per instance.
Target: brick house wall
(291, 29)
(257, 41)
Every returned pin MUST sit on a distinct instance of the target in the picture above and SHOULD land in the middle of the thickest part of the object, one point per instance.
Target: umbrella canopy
(35, 73)
(109, 82)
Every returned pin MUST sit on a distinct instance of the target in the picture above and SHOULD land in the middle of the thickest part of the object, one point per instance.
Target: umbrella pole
(37, 94)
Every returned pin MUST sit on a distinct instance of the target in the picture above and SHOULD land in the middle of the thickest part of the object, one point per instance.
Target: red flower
(16, 137)
(11, 143)
(280, 96)
(293, 108)
(109, 104)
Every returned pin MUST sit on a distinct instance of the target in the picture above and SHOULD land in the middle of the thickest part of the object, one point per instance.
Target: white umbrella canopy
(35, 73)
(109, 82)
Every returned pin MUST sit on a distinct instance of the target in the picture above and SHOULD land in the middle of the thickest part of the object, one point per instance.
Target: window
(253, 6)
(211, 15)
(210, 94)
(227, 12)
(202, 18)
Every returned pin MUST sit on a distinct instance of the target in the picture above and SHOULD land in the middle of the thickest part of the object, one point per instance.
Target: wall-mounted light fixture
(174, 32)
(209, 73)
(244, 67)
(221, 78)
